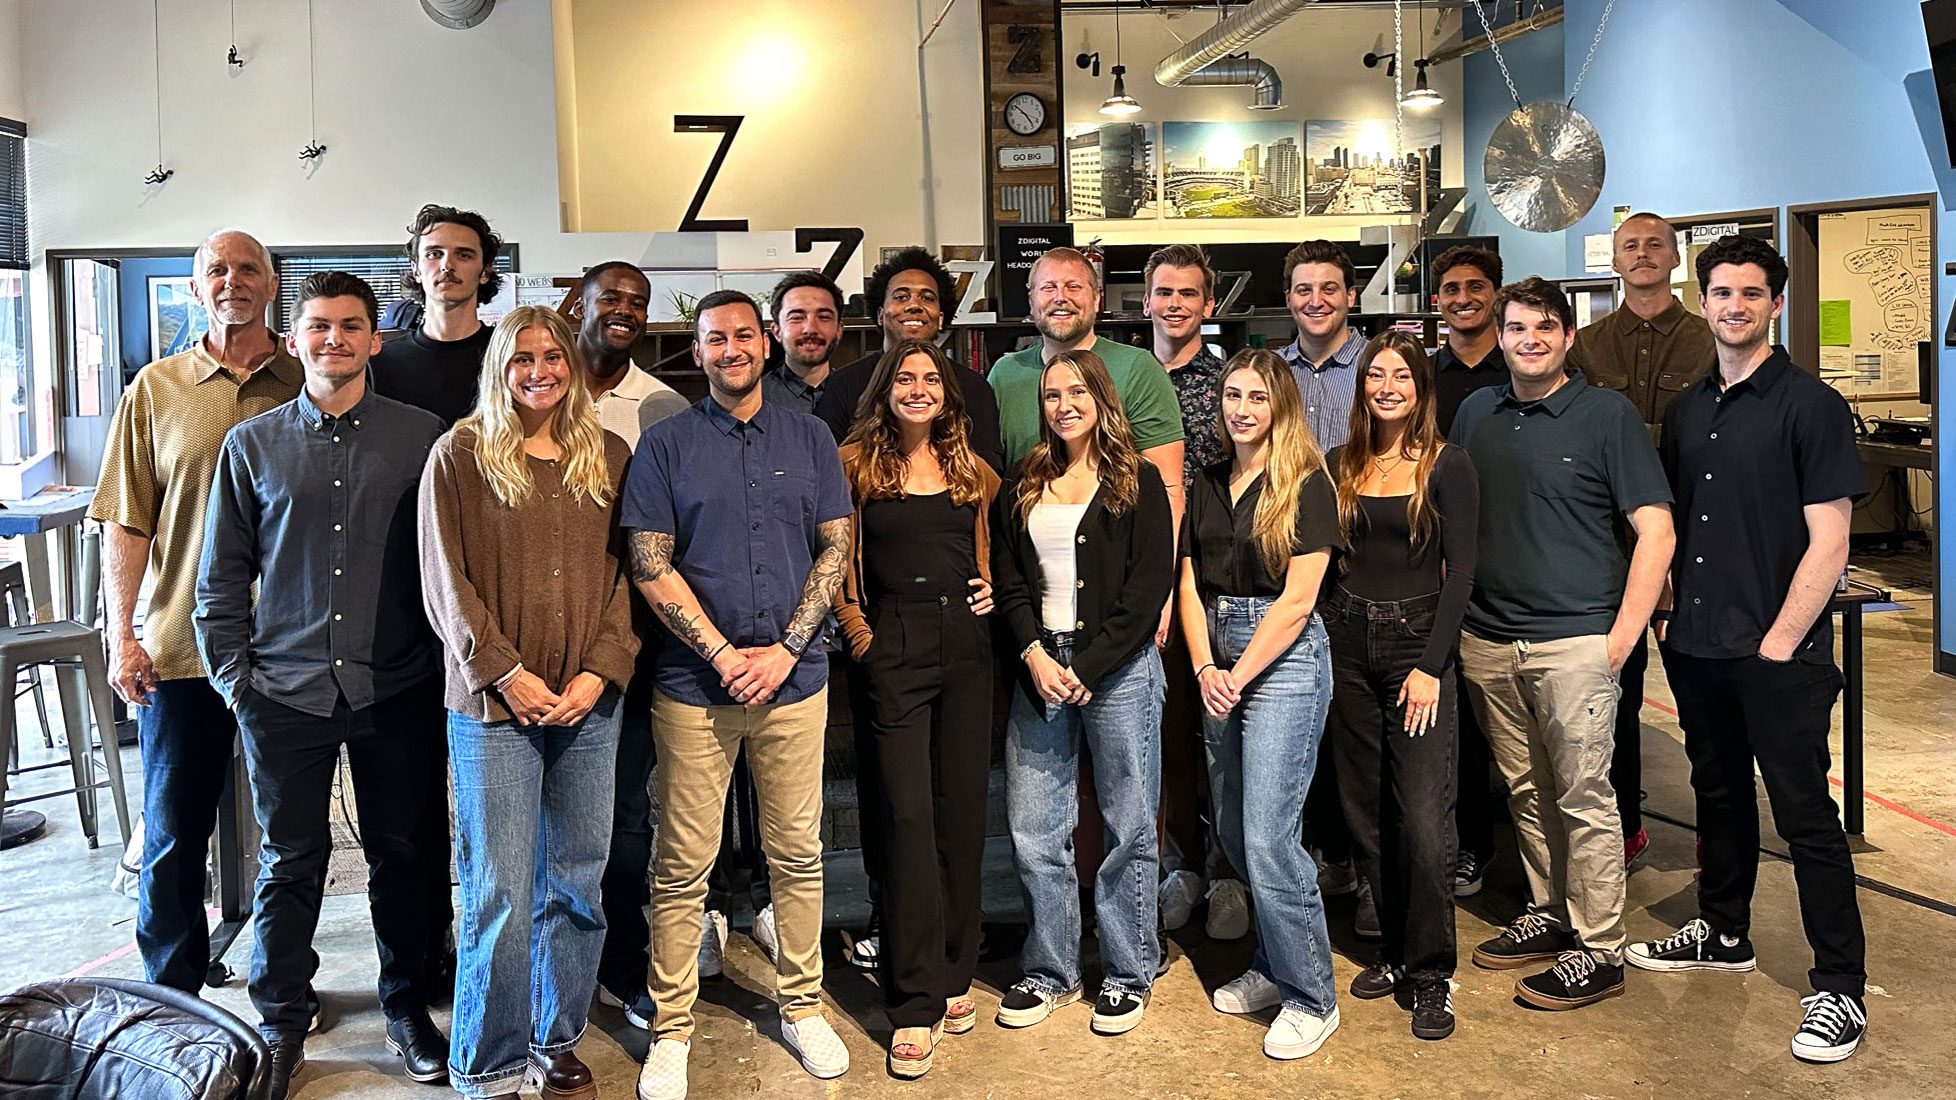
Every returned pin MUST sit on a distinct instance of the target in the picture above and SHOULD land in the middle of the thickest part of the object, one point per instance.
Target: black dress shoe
(288, 1058)
(421, 1045)
(562, 1077)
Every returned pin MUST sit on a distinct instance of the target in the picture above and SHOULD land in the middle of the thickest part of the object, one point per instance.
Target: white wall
(1318, 54)
(12, 89)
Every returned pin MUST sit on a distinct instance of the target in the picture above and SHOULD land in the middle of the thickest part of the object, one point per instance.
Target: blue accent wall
(132, 287)
(1736, 104)
(1536, 62)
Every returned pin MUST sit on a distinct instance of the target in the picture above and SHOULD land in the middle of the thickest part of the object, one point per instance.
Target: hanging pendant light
(1120, 104)
(1420, 96)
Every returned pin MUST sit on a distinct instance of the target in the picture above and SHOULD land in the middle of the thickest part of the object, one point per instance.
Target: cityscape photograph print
(1352, 167)
(1232, 169)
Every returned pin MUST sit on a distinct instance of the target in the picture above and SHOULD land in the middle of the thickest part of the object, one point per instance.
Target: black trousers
(869, 826)
(1397, 789)
(1187, 825)
(1474, 797)
(930, 687)
(293, 756)
(1627, 761)
(1736, 711)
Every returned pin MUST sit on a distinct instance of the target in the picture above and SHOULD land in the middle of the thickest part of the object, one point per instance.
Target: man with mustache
(1467, 278)
(911, 290)
(807, 309)
(309, 620)
(1181, 295)
(1649, 350)
(1761, 455)
(1557, 607)
(1320, 287)
(156, 482)
(452, 273)
(738, 516)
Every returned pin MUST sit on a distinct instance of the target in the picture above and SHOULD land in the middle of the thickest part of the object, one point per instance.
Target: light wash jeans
(1122, 727)
(532, 831)
(1261, 759)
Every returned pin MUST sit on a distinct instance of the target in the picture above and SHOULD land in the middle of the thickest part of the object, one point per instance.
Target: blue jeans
(532, 829)
(186, 734)
(1261, 759)
(1122, 726)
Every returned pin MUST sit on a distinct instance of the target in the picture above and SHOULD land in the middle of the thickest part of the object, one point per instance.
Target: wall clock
(1025, 114)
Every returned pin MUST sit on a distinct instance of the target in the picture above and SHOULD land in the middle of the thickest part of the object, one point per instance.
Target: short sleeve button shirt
(1745, 461)
(1554, 476)
(743, 501)
(1198, 390)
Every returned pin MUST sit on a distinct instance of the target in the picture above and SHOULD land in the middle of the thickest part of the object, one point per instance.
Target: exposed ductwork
(1224, 39)
(1250, 71)
(458, 15)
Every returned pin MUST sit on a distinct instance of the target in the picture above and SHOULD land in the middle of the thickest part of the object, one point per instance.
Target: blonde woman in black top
(1408, 505)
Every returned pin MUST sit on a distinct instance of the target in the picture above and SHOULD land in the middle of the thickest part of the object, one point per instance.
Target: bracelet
(507, 677)
(716, 650)
(1027, 651)
(1203, 669)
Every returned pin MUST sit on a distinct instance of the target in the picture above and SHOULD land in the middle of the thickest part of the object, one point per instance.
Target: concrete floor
(1669, 1036)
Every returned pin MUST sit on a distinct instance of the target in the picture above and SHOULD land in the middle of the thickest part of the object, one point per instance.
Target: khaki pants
(697, 748)
(1549, 710)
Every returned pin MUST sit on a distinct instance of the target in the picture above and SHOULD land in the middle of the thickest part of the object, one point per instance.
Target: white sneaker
(1298, 1034)
(1177, 897)
(764, 936)
(865, 951)
(1334, 879)
(1229, 910)
(663, 1076)
(713, 943)
(1365, 921)
(1250, 993)
(817, 1045)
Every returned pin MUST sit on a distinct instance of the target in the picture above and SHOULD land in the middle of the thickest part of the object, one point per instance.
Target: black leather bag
(113, 1039)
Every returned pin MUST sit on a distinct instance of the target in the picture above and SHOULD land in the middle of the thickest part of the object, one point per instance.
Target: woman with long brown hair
(1082, 564)
(1408, 504)
(1257, 538)
(914, 598)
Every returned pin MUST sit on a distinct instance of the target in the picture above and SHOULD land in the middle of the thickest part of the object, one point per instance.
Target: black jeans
(1397, 789)
(1627, 761)
(293, 758)
(1736, 711)
(1474, 797)
(929, 671)
(627, 889)
(187, 735)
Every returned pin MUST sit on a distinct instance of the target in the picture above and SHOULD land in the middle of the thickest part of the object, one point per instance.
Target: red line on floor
(1867, 794)
(89, 968)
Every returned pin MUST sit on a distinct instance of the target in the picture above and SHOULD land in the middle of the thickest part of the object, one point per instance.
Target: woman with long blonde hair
(914, 601)
(522, 572)
(1408, 505)
(1082, 561)
(1258, 536)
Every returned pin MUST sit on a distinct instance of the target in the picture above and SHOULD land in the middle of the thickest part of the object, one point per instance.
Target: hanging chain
(1398, 80)
(1496, 47)
(1593, 43)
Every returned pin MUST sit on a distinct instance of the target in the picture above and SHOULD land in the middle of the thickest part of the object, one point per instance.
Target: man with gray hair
(156, 483)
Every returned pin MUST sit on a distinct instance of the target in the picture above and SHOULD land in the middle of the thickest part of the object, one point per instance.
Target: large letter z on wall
(709, 124)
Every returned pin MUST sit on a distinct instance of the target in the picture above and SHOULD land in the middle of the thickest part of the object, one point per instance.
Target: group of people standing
(1344, 550)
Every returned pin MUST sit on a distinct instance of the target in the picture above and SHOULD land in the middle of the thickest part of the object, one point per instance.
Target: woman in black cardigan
(1081, 563)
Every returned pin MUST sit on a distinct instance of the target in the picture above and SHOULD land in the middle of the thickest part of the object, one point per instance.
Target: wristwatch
(795, 643)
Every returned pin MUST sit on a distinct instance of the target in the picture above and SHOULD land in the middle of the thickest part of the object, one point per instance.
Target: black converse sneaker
(1832, 1028)
(1117, 1011)
(1575, 980)
(1693, 947)
(1025, 1004)
(1433, 1009)
(1531, 938)
(1377, 980)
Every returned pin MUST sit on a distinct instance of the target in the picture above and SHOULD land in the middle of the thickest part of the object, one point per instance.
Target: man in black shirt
(807, 309)
(435, 366)
(1761, 456)
(1470, 360)
(909, 291)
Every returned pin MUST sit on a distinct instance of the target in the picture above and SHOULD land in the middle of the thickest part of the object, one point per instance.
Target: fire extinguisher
(1098, 260)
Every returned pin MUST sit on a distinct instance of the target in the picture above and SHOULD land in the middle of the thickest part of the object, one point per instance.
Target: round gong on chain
(1544, 166)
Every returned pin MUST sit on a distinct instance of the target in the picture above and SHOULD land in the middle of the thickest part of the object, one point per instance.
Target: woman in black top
(1409, 505)
(1257, 538)
(917, 586)
(1082, 567)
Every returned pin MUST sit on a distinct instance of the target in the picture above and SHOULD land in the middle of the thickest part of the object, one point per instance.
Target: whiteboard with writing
(1874, 298)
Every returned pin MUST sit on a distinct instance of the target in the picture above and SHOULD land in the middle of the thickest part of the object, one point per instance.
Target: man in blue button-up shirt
(740, 526)
(314, 502)
(1320, 287)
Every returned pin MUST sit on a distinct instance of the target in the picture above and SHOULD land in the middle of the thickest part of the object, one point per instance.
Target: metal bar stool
(69, 645)
(18, 610)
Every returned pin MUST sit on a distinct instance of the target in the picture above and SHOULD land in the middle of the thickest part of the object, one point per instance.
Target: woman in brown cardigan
(913, 606)
(522, 574)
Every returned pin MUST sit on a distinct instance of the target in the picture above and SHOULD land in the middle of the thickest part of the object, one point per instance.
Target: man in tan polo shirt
(1649, 350)
(156, 481)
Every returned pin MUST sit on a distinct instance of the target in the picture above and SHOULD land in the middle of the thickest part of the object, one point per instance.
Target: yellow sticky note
(1836, 328)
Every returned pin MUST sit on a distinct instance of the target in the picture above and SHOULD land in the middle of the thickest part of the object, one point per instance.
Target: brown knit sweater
(542, 583)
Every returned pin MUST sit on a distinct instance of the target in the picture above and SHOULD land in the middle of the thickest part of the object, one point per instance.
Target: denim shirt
(318, 512)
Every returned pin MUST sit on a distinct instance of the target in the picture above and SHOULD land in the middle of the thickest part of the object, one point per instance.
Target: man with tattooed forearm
(739, 520)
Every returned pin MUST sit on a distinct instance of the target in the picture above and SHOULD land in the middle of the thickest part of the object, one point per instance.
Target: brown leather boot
(562, 1077)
